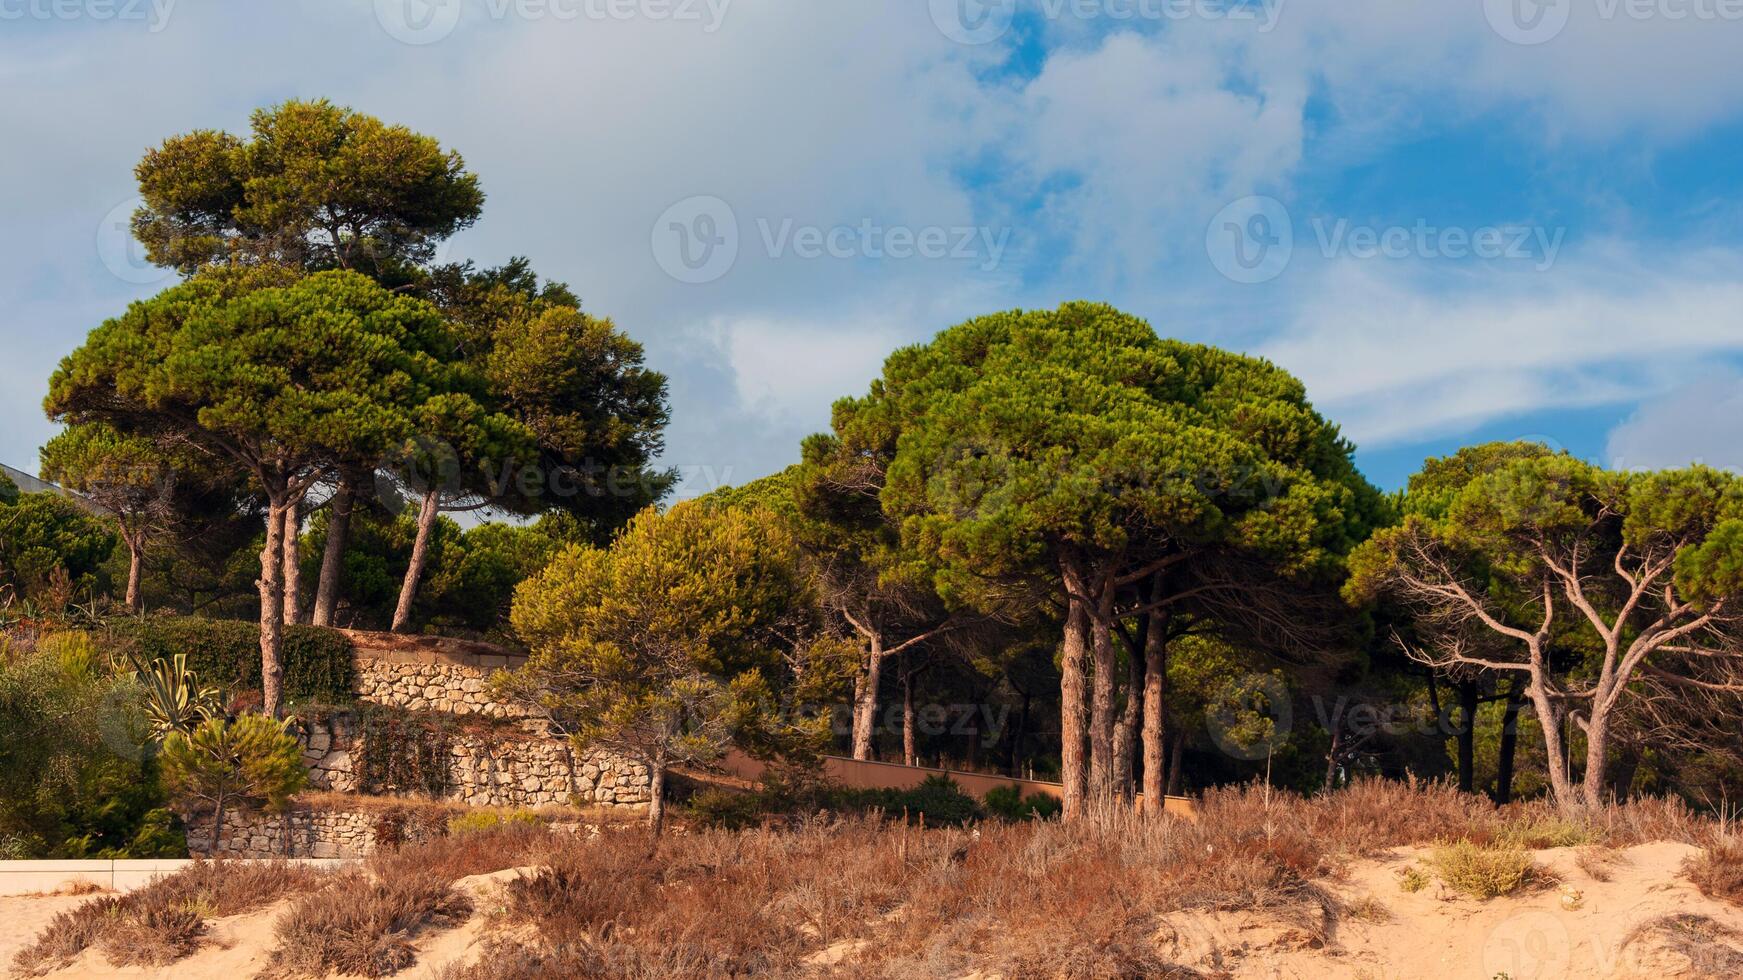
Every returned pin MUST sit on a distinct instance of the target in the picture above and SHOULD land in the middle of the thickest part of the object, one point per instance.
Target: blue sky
(1449, 235)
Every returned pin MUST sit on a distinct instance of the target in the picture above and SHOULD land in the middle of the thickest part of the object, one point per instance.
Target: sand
(1576, 928)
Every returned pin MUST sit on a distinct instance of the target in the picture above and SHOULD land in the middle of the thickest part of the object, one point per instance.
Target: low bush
(361, 926)
(935, 802)
(165, 920)
(318, 662)
(484, 820)
(1718, 870)
(1482, 871)
(1537, 831)
(1009, 803)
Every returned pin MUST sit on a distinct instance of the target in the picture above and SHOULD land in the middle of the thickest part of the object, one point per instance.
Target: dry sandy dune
(1645, 921)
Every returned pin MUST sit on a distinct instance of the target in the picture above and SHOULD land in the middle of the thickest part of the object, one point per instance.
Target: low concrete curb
(42, 877)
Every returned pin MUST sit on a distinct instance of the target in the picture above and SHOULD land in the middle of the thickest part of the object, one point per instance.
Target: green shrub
(729, 810)
(1009, 803)
(1482, 872)
(481, 820)
(402, 751)
(1540, 832)
(318, 662)
(938, 800)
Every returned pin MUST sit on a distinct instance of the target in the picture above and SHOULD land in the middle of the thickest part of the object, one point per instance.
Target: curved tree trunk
(1155, 691)
(135, 573)
(1071, 709)
(1549, 719)
(293, 563)
(333, 555)
(865, 700)
(408, 590)
(272, 611)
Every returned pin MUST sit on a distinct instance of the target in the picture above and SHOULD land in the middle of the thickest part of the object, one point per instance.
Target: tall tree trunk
(408, 590)
(1017, 736)
(1155, 706)
(272, 611)
(293, 562)
(1469, 700)
(1555, 749)
(135, 572)
(1126, 733)
(656, 797)
(1592, 783)
(1071, 709)
(1101, 708)
(865, 700)
(1509, 748)
(333, 555)
(910, 754)
(1176, 774)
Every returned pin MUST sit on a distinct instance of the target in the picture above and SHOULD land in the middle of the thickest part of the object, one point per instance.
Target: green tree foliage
(1602, 591)
(49, 547)
(72, 782)
(130, 478)
(472, 575)
(226, 764)
(284, 379)
(686, 636)
(1075, 455)
(315, 186)
(593, 412)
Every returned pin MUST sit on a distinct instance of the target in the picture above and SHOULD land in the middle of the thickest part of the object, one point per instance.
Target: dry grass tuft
(165, 920)
(1599, 862)
(1483, 872)
(1697, 946)
(1718, 871)
(363, 927)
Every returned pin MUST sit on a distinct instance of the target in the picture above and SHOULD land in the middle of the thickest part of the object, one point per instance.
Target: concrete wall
(42, 877)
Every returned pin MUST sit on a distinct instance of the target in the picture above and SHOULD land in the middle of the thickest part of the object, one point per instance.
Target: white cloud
(1701, 422)
(1397, 353)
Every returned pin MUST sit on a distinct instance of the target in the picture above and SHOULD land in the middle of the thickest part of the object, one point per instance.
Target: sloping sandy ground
(1576, 928)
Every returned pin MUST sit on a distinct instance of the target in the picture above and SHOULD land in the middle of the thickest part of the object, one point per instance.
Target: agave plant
(174, 699)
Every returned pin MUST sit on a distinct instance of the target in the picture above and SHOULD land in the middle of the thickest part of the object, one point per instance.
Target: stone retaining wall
(427, 673)
(325, 831)
(506, 766)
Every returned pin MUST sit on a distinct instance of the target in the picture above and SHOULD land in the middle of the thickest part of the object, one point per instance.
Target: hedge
(318, 662)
